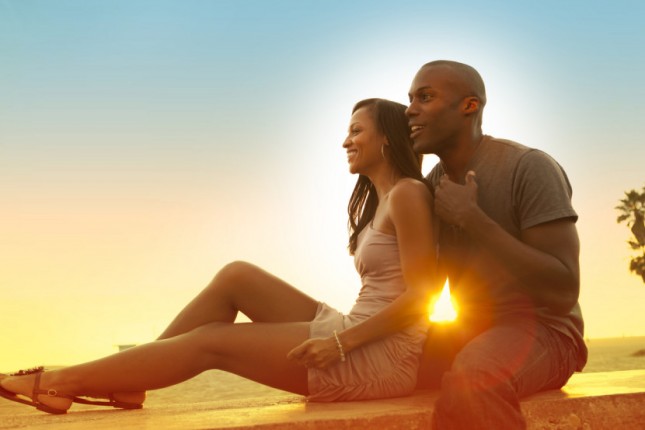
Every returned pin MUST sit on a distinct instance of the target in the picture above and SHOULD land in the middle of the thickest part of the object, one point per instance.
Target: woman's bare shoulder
(410, 188)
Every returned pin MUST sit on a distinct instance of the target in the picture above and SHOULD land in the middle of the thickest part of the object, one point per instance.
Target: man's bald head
(466, 80)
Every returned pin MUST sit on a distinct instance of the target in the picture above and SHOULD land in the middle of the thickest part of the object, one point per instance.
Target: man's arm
(558, 241)
(544, 259)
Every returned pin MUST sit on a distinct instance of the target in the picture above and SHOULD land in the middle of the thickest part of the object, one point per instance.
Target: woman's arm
(410, 211)
(411, 214)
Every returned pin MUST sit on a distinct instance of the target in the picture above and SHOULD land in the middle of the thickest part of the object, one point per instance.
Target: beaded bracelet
(341, 351)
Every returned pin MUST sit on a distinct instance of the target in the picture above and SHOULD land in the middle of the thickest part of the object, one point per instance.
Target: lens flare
(442, 309)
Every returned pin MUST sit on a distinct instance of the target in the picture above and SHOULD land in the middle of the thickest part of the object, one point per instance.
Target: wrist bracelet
(341, 351)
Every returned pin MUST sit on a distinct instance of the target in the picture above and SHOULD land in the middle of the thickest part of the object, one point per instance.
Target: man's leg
(441, 347)
(498, 367)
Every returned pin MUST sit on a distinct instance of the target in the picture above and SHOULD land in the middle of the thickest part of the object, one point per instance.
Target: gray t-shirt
(518, 188)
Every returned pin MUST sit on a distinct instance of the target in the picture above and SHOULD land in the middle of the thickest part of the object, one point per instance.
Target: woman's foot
(20, 386)
(125, 400)
(131, 398)
(35, 389)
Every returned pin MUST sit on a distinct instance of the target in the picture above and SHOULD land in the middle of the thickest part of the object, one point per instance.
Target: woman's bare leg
(239, 286)
(256, 351)
(243, 287)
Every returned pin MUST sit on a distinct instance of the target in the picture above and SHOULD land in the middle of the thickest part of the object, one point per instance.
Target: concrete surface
(595, 401)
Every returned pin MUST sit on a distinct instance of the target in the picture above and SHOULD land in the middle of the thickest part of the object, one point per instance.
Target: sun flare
(442, 309)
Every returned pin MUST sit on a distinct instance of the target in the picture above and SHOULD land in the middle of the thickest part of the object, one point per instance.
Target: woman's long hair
(390, 120)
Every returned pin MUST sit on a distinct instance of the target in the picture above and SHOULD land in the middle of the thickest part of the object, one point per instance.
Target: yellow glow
(443, 309)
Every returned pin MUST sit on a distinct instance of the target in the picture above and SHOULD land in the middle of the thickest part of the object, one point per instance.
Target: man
(509, 246)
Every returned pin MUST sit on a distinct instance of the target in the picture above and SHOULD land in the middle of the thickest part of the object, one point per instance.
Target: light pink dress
(383, 368)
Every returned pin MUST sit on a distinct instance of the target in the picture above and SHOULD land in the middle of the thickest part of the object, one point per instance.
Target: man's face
(435, 116)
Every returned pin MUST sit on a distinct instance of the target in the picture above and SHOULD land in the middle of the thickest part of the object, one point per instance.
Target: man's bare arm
(545, 258)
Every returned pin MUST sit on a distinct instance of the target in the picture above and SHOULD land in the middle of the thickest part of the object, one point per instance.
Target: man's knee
(477, 398)
(465, 385)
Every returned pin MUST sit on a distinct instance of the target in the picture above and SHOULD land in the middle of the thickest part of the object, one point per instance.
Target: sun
(442, 309)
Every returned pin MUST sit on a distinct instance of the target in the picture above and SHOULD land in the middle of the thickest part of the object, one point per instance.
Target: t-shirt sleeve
(435, 174)
(541, 191)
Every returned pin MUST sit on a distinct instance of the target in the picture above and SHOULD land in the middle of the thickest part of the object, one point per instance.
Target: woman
(294, 343)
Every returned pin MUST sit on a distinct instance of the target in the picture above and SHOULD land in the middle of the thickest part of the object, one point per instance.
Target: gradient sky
(144, 144)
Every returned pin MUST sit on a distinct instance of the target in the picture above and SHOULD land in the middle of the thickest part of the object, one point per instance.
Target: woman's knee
(236, 269)
(233, 274)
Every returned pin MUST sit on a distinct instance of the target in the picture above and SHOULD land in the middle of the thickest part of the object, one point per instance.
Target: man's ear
(472, 105)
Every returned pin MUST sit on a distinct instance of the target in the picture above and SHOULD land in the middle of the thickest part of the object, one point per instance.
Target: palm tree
(632, 211)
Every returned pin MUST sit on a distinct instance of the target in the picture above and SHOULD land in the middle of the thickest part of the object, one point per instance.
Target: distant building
(125, 346)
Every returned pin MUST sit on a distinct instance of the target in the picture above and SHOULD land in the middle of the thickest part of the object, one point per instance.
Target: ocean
(605, 355)
(618, 353)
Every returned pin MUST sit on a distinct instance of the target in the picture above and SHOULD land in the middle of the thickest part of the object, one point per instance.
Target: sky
(145, 144)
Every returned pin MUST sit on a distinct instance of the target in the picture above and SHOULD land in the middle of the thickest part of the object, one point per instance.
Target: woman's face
(363, 143)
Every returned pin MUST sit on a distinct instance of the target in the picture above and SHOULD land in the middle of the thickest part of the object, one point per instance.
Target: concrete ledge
(595, 401)
(592, 401)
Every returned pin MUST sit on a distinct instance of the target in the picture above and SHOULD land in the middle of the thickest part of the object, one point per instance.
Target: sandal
(81, 400)
(110, 402)
(35, 393)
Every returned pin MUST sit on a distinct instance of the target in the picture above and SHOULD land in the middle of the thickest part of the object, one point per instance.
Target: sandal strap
(38, 369)
(51, 392)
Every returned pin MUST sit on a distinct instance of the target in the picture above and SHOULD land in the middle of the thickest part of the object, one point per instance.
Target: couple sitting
(498, 214)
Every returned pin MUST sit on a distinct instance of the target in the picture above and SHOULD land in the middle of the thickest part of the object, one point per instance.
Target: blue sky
(144, 144)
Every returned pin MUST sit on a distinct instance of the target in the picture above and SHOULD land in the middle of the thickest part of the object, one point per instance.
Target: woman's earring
(383, 151)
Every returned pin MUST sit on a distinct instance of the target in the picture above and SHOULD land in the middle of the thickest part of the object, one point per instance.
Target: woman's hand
(317, 353)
